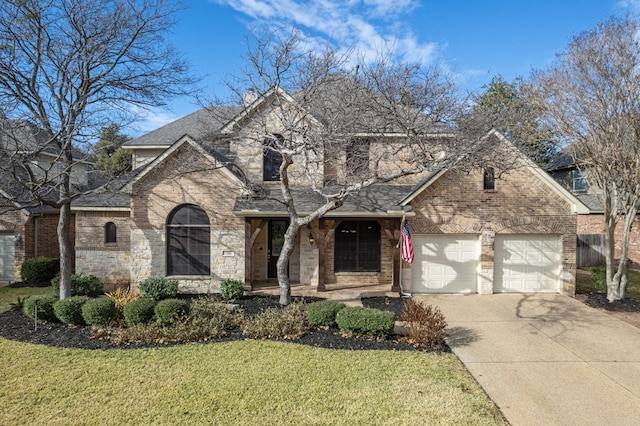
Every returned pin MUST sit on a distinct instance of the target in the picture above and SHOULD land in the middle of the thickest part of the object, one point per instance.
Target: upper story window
(579, 180)
(489, 179)
(357, 158)
(188, 241)
(357, 246)
(110, 233)
(272, 158)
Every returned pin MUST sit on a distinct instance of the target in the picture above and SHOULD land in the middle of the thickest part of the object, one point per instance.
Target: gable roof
(577, 206)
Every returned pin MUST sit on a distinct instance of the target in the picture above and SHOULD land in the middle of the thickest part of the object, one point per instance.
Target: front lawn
(9, 295)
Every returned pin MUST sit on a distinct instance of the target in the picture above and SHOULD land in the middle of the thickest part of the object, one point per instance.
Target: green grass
(583, 282)
(240, 383)
(10, 295)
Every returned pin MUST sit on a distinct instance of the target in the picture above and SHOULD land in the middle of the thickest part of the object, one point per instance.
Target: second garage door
(445, 264)
(527, 263)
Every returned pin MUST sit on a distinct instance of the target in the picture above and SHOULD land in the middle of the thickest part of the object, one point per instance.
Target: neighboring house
(28, 229)
(185, 212)
(590, 228)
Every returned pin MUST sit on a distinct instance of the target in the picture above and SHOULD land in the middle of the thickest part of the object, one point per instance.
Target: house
(28, 228)
(590, 228)
(188, 212)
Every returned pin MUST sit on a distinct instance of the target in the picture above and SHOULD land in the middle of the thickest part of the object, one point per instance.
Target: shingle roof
(371, 200)
(197, 125)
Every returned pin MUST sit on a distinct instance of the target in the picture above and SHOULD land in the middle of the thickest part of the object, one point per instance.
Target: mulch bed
(599, 301)
(14, 325)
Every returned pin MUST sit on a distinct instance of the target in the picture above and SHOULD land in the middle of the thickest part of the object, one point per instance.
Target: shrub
(426, 323)
(221, 314)
(138, 311)
(288, 322)
(45, 307)
(121, 297)
(323, 313)
(39, 269)
(82, 285)
(99, 312)
(366, 321)
(231, 289)
(599, 278)
(171, 311)
(69, 310)
(159, 288)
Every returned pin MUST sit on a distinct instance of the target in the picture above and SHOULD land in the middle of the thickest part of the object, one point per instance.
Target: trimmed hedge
(323, 313)
(171, 311)
(45, 307)
(99, 312)
(159, 288)
(231, 289)
(139, 311)
(82, 285)
(69, 311)
(39, 269)
(366, 321)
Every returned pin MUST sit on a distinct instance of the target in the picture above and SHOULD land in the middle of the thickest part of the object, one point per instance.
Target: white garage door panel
(527, 263)
(445, 264)
(7, 257)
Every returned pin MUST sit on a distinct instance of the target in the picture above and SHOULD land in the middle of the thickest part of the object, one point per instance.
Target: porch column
(248, 244)
(322, 245)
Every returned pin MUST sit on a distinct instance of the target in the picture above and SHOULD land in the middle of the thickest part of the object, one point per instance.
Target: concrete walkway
(547, 359)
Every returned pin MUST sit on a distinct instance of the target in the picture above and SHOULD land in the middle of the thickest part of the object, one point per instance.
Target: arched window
(357, 246)
(272, 158)
(188, 241)
(110, 233)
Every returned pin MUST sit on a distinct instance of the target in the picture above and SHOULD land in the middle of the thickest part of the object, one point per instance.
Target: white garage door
(7, 257)
(527, 263)
(445, 264)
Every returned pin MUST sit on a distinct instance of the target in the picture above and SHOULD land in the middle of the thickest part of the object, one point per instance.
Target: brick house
(185, 212)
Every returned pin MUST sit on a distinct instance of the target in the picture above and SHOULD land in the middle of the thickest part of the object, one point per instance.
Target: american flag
(407, 247)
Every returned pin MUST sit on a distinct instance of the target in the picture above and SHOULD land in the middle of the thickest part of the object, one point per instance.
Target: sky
(472, 40)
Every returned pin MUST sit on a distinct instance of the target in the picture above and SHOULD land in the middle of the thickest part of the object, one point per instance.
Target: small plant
(288, 322)
(99, 312)
(82, 285)
(159, 288)
(122, 296)
(69, 311)
(18, 305)
(139, 311)
(599, 278)
(323, 313)
(222, 314)
(231, 289)
(39, 269)
(426, 323)
(171, 311)
(44, 306)
(366, 321)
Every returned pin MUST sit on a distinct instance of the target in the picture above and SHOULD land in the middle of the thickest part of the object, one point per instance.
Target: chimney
(249, 97)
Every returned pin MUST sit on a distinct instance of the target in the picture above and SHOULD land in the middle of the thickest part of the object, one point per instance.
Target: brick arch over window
(188, 241)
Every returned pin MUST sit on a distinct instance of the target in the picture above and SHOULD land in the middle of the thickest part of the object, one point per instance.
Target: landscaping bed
(15, 325)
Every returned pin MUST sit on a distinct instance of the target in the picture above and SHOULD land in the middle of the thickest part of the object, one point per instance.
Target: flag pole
(402, 292)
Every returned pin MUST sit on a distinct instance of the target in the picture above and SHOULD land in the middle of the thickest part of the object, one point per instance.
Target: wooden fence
(590, 250)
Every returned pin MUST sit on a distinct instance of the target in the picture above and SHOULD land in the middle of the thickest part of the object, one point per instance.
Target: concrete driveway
(547, 359)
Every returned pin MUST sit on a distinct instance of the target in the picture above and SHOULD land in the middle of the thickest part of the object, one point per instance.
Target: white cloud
(369, 25)
(149, 119)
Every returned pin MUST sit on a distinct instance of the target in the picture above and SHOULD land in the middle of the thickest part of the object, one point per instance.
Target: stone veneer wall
(186, 178)
(521, 204)
(94, 256)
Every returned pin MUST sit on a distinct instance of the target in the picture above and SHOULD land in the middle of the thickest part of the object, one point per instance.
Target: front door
(277, 228)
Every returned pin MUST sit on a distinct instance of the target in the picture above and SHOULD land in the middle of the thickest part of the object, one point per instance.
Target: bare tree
(68, 69)
(340, 125)
(591, 94)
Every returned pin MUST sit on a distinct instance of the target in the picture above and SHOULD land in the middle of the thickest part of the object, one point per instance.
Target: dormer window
(489, 179)
(579, 180)
(272, 159)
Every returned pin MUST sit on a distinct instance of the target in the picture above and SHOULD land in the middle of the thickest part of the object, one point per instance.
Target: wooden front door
(277, 228)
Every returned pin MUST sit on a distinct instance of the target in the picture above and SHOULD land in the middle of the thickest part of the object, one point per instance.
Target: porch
(341, 292)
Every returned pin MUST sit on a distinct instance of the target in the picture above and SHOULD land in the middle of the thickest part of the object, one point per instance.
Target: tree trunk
(283, 262)
(64, 226)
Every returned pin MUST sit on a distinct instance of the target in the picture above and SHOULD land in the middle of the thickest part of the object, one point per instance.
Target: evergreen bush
(99, 312)
(39, 269)
(69, 311)
(45, 307)
(138, 311)
(231, 289)
(159, 288)
(366, 321)
(171, 311)
(323, 313)
(82, 285)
